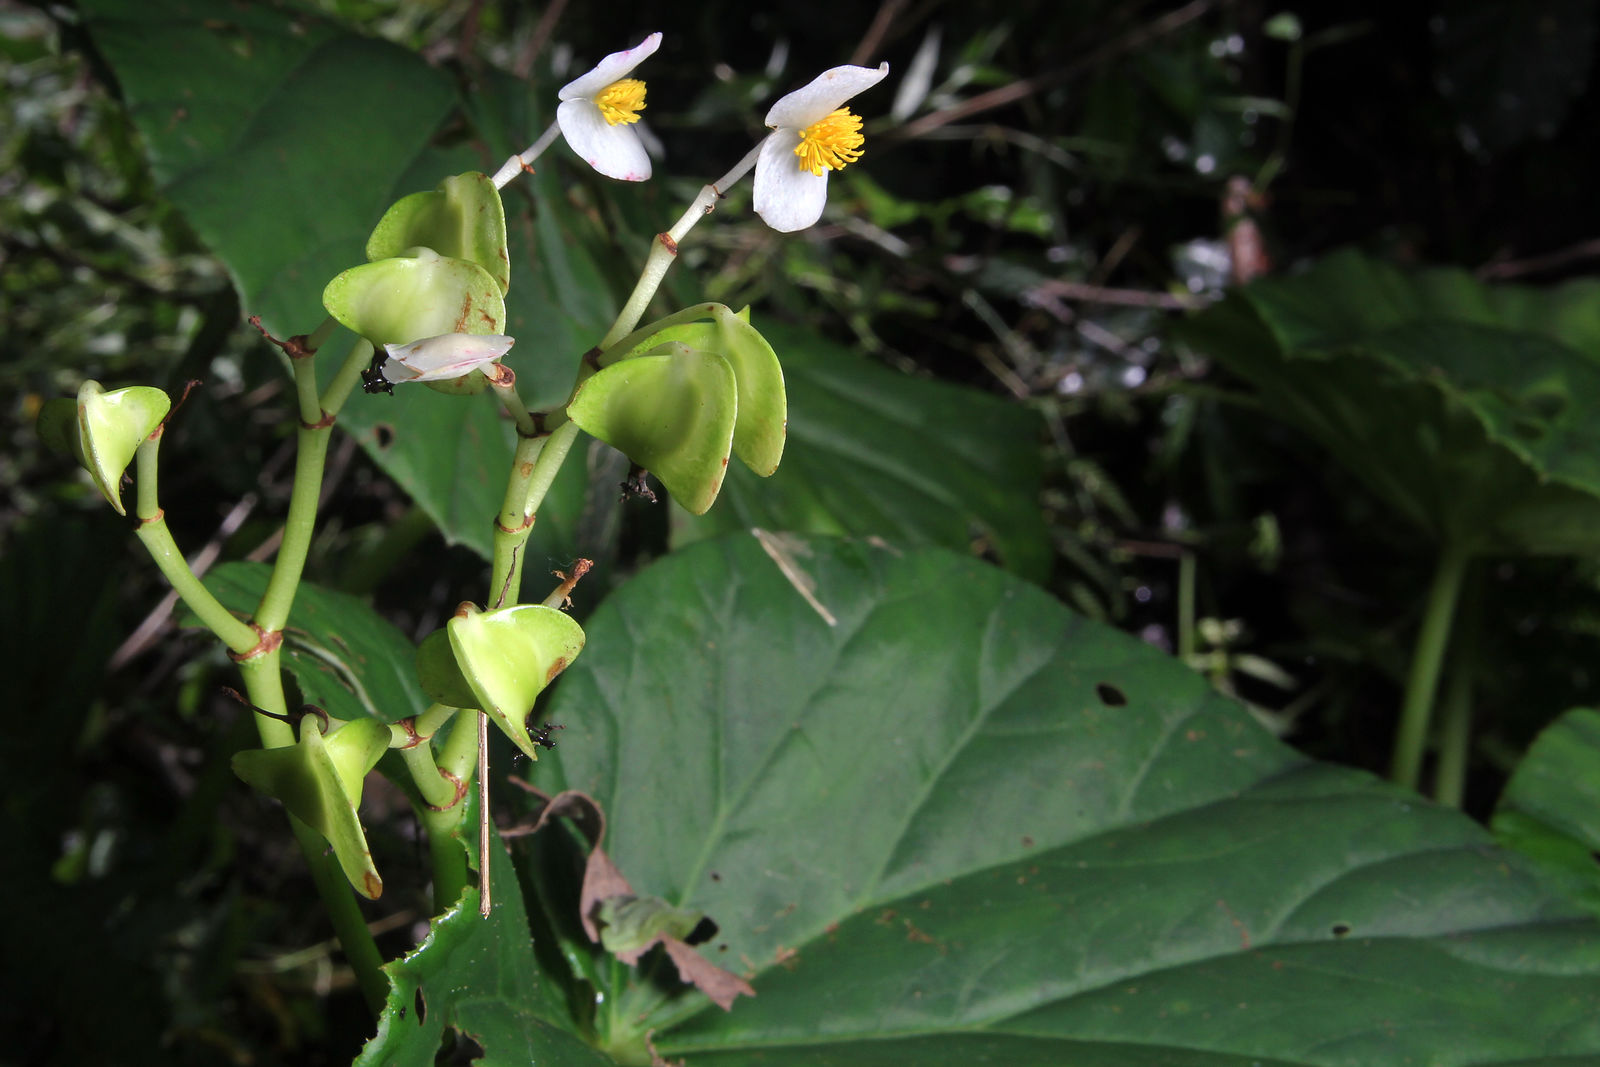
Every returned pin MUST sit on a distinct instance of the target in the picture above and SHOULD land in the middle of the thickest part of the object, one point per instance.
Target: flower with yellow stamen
(621, 101)
(812, 134)
(598, 110)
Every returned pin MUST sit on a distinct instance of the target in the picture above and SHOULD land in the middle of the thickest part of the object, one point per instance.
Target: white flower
(813, 133)
(450, 355)
(597, 109)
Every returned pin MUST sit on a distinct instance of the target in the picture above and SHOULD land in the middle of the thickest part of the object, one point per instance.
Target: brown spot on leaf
(555, 668)
(372, 885)
(921, 937)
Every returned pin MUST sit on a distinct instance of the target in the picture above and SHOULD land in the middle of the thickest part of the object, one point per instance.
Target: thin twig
(1515, 268)
(1025, 87)
(1100, 294)
(873, 38)
(541, 36)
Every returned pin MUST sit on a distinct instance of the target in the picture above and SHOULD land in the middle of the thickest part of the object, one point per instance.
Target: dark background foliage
(1027, 227)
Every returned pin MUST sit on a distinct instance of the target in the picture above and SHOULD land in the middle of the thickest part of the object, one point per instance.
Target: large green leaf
(481, 978)
(1473, 412)
(283, 139)
(942, 820)
(1551, 807)
(875, 453)
(348, 659)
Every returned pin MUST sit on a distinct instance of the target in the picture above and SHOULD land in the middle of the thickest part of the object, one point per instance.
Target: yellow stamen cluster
(833, 142)
(621, 101)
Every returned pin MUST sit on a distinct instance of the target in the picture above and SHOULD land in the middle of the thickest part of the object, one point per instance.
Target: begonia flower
(812, 133)
(598, 110)
(437, 359)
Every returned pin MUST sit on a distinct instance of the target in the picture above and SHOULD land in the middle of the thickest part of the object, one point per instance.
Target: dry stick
(1514, 268)
(1100, 294)
(887, 11)
(1025, 87)
(1119, 251)
(483, 814)
(541, 36)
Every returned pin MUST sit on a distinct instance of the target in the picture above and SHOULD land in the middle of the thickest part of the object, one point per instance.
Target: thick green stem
(298, 527)
(1412, 737)
(301, 522)
(1455, 732)
(344, 381)
(1186, 606)
(157, 539)
(451, 875)
(263, 682)
(459, 754)
(443, 805)
(1455, 738)
(511, 400)
(513, 525)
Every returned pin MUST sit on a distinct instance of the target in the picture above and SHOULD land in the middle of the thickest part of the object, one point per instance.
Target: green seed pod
(319, 779)
(462, 219)
(104, 430)
(763, 416)
(416, 295)
(439, 675)
(507, 657)
(671, 411)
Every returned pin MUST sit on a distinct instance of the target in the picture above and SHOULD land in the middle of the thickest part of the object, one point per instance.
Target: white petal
(826, 93)
(614, 151)
(610, 69)
(450, 355)
(787, 197)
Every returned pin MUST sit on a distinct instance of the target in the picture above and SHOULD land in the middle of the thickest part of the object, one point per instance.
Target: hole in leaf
(1110, 695)
(421, 1005)
(703, 931)
(1341, 929)
(715, 877)
(383, 434)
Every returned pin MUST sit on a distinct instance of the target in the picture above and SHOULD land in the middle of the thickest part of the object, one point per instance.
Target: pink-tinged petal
(614, 151)
(787, 197)
(826, 93)
(612, 68)
(450, 355)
